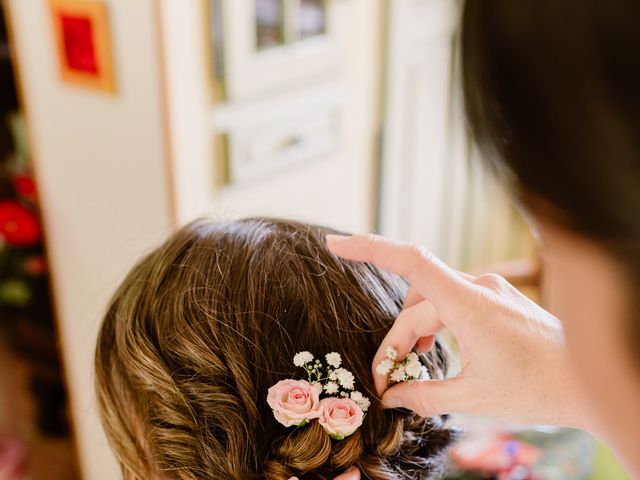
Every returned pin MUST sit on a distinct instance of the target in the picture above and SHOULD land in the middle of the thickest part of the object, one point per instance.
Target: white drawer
(264, 139)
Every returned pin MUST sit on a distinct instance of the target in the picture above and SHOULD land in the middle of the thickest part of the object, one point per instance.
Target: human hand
(515, 363)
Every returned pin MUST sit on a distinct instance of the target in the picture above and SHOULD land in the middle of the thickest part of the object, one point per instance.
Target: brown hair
(203, 325)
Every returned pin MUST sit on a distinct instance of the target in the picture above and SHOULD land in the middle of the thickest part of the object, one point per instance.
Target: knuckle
(403, 317)
(372, 237)
(492, 281)
(406, 321)
(420, 254)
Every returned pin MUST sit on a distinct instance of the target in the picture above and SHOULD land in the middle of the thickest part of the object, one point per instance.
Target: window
(282, 22)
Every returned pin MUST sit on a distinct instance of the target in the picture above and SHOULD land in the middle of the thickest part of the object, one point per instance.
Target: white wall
(102, 173)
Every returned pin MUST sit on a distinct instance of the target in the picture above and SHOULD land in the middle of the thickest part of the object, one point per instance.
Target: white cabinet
(268, 46)
(286, 131)
(296, 113)
(280, 66)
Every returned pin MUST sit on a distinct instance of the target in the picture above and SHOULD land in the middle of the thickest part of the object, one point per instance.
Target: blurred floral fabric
(22, 262)
(27, 323)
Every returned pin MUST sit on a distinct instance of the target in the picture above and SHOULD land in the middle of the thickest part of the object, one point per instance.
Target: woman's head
(551, 94)
(206, 323)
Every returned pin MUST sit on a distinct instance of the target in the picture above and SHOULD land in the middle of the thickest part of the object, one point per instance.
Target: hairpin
(297, 402)
(407, 370)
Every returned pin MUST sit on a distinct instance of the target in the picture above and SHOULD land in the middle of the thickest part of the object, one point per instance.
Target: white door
(435, 192)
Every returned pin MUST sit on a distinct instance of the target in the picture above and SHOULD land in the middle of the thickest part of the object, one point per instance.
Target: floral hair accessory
(407, 370)
(294, 402)
(297, 402)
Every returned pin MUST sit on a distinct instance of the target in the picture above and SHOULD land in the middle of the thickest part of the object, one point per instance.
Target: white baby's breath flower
(424, 373)
(362, 401)
(413, 366)
(318, 387)
(391, 353)
(398, 375)
(331, 388)
(333, 375)
(413, 370)
(302, 358)
(333, 359)
(364, 404)
(384, 367)
(345, 378)
(348, 384)
(412, 357)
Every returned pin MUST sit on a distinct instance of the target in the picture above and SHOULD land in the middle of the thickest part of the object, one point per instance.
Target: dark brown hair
(203, 325)
(551, 95)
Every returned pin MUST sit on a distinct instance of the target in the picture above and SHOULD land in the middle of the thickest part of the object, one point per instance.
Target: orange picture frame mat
(97, 13)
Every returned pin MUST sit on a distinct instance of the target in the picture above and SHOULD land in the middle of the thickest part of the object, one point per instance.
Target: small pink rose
(294, 402)
(340, 417)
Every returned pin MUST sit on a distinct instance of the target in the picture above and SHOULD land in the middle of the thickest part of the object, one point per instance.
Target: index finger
(412, 324)
(427, 274)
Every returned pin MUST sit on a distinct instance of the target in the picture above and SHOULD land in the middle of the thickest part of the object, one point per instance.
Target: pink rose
(340, 417)
(294, 402)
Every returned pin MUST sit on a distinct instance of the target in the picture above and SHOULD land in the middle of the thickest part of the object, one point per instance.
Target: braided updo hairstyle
(203, 325)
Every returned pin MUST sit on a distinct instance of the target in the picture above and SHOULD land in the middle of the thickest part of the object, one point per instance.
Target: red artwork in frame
(84, 47)
(79, 49)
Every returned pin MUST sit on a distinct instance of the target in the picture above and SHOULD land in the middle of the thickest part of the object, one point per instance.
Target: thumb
(430, 397)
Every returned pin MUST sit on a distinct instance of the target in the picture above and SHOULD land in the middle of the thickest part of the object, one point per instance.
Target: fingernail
(391, 402)
(336, 239)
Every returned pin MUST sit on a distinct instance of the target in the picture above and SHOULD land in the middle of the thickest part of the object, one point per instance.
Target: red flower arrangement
(25, 186)
(18, 225)
(23, 279)
(26, 307)
(35, 265)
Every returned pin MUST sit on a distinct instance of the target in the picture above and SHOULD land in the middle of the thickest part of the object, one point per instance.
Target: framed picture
(81, 28)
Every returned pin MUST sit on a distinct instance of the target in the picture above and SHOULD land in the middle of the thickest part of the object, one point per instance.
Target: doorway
(35, 433)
